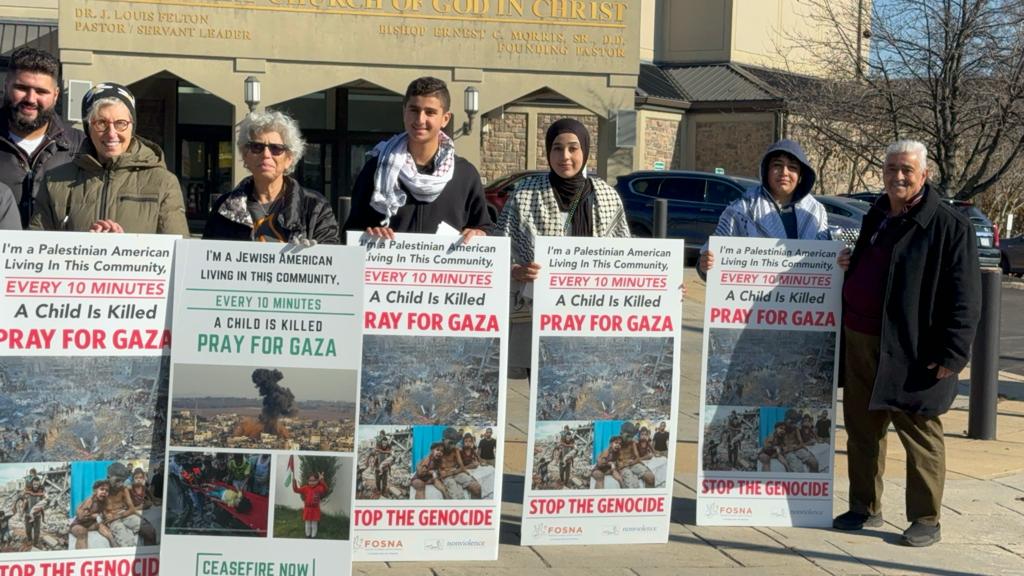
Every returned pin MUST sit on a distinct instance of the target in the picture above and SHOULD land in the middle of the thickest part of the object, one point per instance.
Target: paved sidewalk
(982, 523)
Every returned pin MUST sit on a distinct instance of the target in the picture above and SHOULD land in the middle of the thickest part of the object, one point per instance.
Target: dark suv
(986, 232)
(695, 202)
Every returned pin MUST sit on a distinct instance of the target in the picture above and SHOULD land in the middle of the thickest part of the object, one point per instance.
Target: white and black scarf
(395, 164)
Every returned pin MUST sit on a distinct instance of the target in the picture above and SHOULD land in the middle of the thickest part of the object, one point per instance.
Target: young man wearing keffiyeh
(414, 182)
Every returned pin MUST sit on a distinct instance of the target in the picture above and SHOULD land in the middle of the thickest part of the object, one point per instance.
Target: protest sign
(605, 391)
(264, 385)
(768, 381)
(84, 339)
(432, 409)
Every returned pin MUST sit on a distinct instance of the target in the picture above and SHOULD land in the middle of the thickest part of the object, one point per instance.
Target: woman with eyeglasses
(116, 182)
(270, 205)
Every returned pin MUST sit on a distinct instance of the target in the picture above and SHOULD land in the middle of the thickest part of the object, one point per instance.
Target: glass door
(205, 159)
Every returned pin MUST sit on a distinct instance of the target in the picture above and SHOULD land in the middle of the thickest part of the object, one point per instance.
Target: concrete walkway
(982, 523)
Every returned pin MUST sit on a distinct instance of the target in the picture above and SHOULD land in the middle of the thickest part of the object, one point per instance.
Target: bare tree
(947, 72)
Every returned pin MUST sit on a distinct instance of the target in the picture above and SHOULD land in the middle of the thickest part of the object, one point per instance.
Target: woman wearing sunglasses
(116, 182)
(270, 205)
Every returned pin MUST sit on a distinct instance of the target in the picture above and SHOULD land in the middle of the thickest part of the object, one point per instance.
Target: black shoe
(855, 521)
(920, 535)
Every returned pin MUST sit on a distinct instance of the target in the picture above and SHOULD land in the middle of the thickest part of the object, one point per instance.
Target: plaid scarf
(395, 164)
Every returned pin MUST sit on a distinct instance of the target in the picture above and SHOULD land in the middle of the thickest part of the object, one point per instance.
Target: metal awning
(14, 35)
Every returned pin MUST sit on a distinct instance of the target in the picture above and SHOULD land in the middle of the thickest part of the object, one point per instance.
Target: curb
(1010, 283)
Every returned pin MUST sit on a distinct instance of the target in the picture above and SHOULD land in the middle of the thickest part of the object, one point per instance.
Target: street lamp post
(252, 92)
(471, 101)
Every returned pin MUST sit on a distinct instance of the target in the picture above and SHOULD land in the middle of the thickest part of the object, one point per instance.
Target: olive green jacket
(135, 190)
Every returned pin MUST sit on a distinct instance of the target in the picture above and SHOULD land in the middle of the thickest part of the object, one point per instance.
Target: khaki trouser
(866, 437)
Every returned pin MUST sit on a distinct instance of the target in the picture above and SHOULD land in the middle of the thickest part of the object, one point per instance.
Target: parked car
(695, 202)
(497, 191)
(844, 206)
(1011, 258)
(987, 233)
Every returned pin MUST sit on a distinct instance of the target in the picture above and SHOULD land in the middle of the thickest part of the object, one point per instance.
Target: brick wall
(504, 146)
(545, 120)
(735, 146)
(661, 143)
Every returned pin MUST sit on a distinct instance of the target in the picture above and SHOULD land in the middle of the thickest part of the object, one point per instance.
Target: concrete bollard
(344, 208)
(981, 422)
(660, 218)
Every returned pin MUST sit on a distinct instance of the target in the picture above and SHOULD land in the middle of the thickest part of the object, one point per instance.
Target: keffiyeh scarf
(395, 164)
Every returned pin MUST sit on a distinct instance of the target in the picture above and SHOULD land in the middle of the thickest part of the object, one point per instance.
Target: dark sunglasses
(259, 147)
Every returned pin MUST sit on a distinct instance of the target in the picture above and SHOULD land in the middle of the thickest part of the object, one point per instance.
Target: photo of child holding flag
(304, 507)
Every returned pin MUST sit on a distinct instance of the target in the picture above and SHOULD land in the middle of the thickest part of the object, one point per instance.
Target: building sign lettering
(489, 34)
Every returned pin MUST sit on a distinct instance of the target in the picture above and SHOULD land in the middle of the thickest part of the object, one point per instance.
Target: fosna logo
(361, 543)
(540, 530)
(712, 509)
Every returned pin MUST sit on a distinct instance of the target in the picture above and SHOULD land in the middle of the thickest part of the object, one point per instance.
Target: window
(685, 189)
(645, 186)
(722, 192)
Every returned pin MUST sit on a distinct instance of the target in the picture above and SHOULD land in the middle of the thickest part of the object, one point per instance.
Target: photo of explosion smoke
(35, 500)
(55, 409)
(590, 378)
(750, 368)
(438, 380)
(263, 408)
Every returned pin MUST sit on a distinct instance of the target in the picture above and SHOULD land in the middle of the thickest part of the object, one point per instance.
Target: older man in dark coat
(911, 304)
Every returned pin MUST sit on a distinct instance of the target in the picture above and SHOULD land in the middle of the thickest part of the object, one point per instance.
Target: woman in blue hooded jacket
(780, 207)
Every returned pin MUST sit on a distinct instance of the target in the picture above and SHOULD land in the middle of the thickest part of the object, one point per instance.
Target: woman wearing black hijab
(563, 202)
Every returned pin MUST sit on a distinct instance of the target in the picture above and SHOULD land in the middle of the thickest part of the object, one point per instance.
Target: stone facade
(661, 143)
(734, 146)
(504, 145)
(839, 171)
(545, 120)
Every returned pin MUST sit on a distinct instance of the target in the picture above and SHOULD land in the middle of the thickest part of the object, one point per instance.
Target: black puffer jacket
(306, 214)
(24, 173)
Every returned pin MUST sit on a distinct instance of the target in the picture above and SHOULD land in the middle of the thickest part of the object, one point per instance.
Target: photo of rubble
(423, 380)
(426, 462)
(115, 504)
(384, 462)
(770, 368)
(563, 455)
(61, 408)
(731, 438)
(593, 378)
(34, 503)
(218, 494)
(795, 440)
(316, 504)
(263, 408)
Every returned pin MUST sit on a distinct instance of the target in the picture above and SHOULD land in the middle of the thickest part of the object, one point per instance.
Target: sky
(201, 380)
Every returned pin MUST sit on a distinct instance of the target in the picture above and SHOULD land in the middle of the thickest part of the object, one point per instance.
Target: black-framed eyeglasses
(104, 125)
(259, 147)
